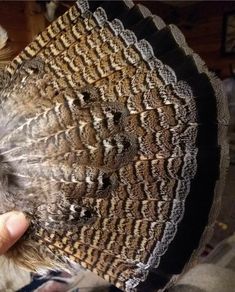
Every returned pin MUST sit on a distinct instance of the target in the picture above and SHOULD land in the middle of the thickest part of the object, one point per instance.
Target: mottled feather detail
(109, 122)
(45, 38)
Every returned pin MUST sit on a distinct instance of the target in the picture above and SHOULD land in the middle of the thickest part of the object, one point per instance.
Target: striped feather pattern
(108, 123)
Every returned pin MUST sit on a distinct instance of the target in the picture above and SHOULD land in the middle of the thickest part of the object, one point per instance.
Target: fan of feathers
(113, 143)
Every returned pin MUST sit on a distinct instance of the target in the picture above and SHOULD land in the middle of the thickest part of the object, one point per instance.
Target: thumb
(12, 226)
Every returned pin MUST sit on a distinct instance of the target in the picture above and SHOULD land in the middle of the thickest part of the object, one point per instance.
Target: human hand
(12, 226)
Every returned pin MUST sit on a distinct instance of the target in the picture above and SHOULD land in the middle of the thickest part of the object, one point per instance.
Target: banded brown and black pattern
(113, 144)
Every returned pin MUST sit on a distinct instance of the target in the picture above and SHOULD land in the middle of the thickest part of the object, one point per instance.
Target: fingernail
(16, 225)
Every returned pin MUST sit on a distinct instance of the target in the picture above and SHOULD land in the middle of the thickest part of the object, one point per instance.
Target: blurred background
(209, 28)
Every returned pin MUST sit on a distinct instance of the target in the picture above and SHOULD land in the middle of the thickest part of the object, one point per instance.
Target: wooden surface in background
(22, 20)
(201, 23)
(13, 19)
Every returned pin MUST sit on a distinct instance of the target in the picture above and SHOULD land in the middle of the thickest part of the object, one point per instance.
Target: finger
(12, 226)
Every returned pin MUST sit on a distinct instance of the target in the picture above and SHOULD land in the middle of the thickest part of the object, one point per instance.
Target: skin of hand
(12, 226)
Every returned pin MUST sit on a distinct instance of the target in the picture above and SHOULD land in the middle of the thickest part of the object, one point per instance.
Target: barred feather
(113, 144)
